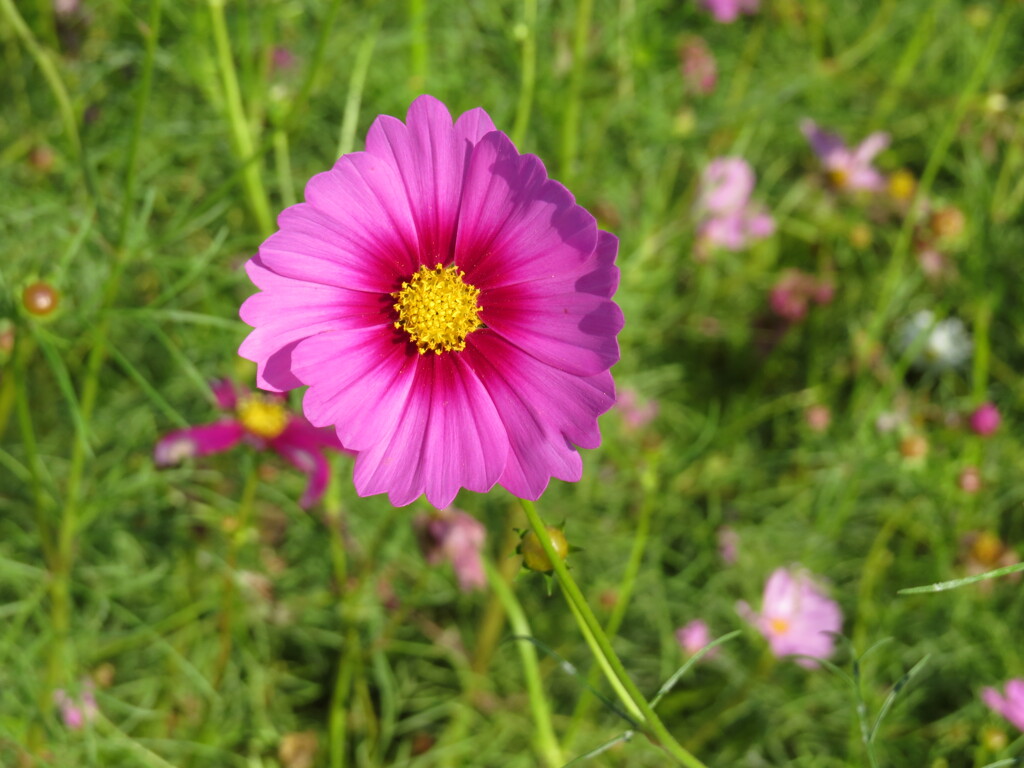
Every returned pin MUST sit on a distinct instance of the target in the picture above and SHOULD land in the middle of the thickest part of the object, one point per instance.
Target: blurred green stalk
(571, 119)
(602, 648)
(546, 743)
(241, 137)
(528, 73)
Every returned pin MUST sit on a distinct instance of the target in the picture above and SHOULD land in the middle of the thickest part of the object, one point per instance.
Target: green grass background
(155, 192)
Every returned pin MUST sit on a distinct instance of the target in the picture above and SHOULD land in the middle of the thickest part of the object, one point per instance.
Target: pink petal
(303, 449)
(726, 185)
(356, 230)
(824, 143)
(430, 157)
(449, 437)
(197, 441)
(870, 147)
(288, 310)
(225, 394)
(544, 410)
(359, 381)
(516, 224)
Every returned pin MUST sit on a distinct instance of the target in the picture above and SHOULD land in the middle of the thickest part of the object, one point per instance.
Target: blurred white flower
(948, 343)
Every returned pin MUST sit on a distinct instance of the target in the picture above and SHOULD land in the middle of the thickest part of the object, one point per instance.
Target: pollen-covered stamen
(262, 416)
(438, 309)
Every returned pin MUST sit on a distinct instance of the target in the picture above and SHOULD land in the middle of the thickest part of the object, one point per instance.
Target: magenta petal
(287, 311)
(430, 159)
(449, 437)
(225, 394)
(197, 441)
(358, 380)
(301, 448)
(516, 224)
(544, 410)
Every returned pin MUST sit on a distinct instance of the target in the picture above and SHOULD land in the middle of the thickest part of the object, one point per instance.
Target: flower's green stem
(602, 647)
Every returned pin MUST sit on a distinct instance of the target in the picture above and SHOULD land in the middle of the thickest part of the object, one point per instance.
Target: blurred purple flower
(727, 11)
(728, 219)
(76, 713)
(66, 7)
(457, 537)
(263, 421)
(985, 420)
(697, 65)
(635, 414)
(693, 636)
(796, 617)
(848, 168)
(1010, 706)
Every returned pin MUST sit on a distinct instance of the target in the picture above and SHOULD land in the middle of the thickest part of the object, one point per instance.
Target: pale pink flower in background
(818, 417)
(795, 290)
(985, 420)
(456, 537)
(697, 65)
(796, 618)
(728, 544)
(727, 217)
(849, 168)
(693, 636)
(1011, 705)
(727, 11)
(77, 712)
(636, 413)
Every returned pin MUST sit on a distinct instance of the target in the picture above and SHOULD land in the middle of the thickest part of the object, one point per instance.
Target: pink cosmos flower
(697, 66)
(727, 11)
(1010, 706)
(449, 307)
(795, 290)
(693, 636)
(77, 712)
(636, 412)
(728, 218)
(457, 537)
(848, 168)
(985, 420)
(796, 617)
(263, 422)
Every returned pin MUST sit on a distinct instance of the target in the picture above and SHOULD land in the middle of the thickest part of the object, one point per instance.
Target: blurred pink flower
(694, 636)
(263, 421)
(635, 413)
(848, 168)
(794, 290)
(1010, 706)
(76, 713)
(697, 65)
(727, 11)
(728, 544)
(985, 420)
(728, 219)
(796, 617)
(457, 537)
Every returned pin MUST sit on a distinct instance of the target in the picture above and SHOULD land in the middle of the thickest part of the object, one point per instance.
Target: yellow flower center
(262, 416)
(779, 626)
(839, 178)
(438, 309)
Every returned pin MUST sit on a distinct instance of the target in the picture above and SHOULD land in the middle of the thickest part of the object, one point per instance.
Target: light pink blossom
(636, 413)
(76, 713)
(727, 11)
(796, 617)
(693, 636)
(697, 66)
(1010, 705)
(795, 290)
(449, 307)
(849, 168)
(456, 537)
(728, 544)
(727, 217)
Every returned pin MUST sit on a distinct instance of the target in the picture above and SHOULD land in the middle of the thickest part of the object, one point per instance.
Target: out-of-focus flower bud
(985, 420)
(969, 480)
(40, 299)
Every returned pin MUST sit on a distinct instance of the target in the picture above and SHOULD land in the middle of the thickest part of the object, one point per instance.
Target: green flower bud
(534, 556)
